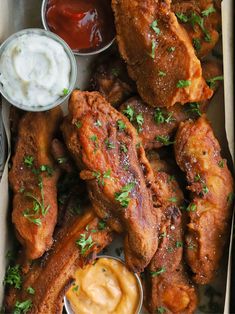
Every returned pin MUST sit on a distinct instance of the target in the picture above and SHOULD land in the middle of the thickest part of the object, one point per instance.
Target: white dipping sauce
(34, 70)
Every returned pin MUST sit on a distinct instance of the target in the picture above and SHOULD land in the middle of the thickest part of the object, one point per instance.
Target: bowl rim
(69, 53)
(75, 52)
(119, 259)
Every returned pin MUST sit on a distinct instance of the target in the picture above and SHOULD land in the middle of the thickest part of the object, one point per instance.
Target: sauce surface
(34, 70)
(85, 25)
(106, 287)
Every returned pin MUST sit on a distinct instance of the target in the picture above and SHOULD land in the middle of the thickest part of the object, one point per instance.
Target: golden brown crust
(197, 153)
(147, 53)
(36, 131)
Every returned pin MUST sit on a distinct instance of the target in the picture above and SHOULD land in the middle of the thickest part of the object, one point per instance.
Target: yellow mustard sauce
(106, 287)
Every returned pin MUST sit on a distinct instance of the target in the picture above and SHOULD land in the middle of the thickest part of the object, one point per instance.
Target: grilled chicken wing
(106, 147)
(167, 284)
(33, 181)
(202, 21)
(159, 53)
(156, 124)
(197, 153)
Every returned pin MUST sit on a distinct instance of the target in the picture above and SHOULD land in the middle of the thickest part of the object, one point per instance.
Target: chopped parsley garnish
(94, 138)
(13, 277)
(30, 290)
(205, 189)
(162, 235)
(100, 177)
(194, 109)
(85, 244)
(48, 169)
(153, 47)
(182, 17)
(140, 121)
(221, 163)
(121, 125)
(161, 73)
(191, 207)
(161, 117)
(22, 307)
(158, 272)
(109, 144)
(62, 160)
(101, 225)
(155, 27)
(123, 148)
(197, 44)
(160, 310)
(123, 196)
(28, 161)
(183, 83)
(208, 11)
(179, 244)
(164, 139)
(196, 19)
(172, 199)
(98, 123)
(75, 288)
(171, 49)
(212, 81)
(129, 113)
(65, 91)
(78, 124)
(197, 178)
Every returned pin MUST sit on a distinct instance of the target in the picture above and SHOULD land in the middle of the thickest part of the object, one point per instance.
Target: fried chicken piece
(157, 124)
(53, 275)
(158, 52)
(110, 78)
(106, 147)
(197, 153)
(167, 284)
(33, 181)
(202, 21)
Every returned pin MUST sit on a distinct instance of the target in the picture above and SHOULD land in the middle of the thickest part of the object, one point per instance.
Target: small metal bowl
(68, 307)
(77, 53)
(73, 73)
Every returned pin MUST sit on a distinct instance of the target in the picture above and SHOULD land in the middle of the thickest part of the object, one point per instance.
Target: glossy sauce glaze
(106, 287)
(85, 25)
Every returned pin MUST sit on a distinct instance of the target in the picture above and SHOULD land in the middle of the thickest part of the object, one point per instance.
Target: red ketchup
(86, 25)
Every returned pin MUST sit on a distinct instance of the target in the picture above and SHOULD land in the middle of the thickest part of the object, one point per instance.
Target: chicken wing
(202, 21)
(53, 275)
(158, 52)
(197, 153)
(156, 126)
(33, 181)
(167, 285)
(106, 147)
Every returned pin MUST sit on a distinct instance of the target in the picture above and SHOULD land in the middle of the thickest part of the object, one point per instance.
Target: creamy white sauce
(34, 70)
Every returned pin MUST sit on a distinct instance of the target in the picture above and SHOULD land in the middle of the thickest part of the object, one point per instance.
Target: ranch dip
(34, 70)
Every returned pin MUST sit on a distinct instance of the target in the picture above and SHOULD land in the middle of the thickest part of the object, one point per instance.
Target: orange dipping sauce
(86, 25)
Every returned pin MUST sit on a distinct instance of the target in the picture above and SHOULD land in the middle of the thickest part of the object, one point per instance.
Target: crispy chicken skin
(34, 182)
(167, 284)
(201, 25)
(159, 53)
(197, 153)
(164, 121)
(51, 276)
(106, 147)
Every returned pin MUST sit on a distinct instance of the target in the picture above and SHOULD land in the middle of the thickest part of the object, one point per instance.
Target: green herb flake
(123, 196)
(28, 161)
(161, 73)
(158, 272)
(85, 244)
(13, 277)
(179, 244)
(164, 139)
(172, 199)
(221, 163)
(160, 310)
(153, 47)
(48, 169)
(129, 113)
(121, 125)
(205, 189)
(197, 44)
(182, 17)
(78, 124)
(191, 207)
(171, 49)
(194, 109)
(102, 225)
(94, 138)
(30, 290)
(98, 123)
(65, 91)
(109, 144)
(75, 288)
(183, 83)
(212, 81)
(155, 27)
(208, 11)
(197, 178)
(123, 148)
(22, 307)
(62, 160)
